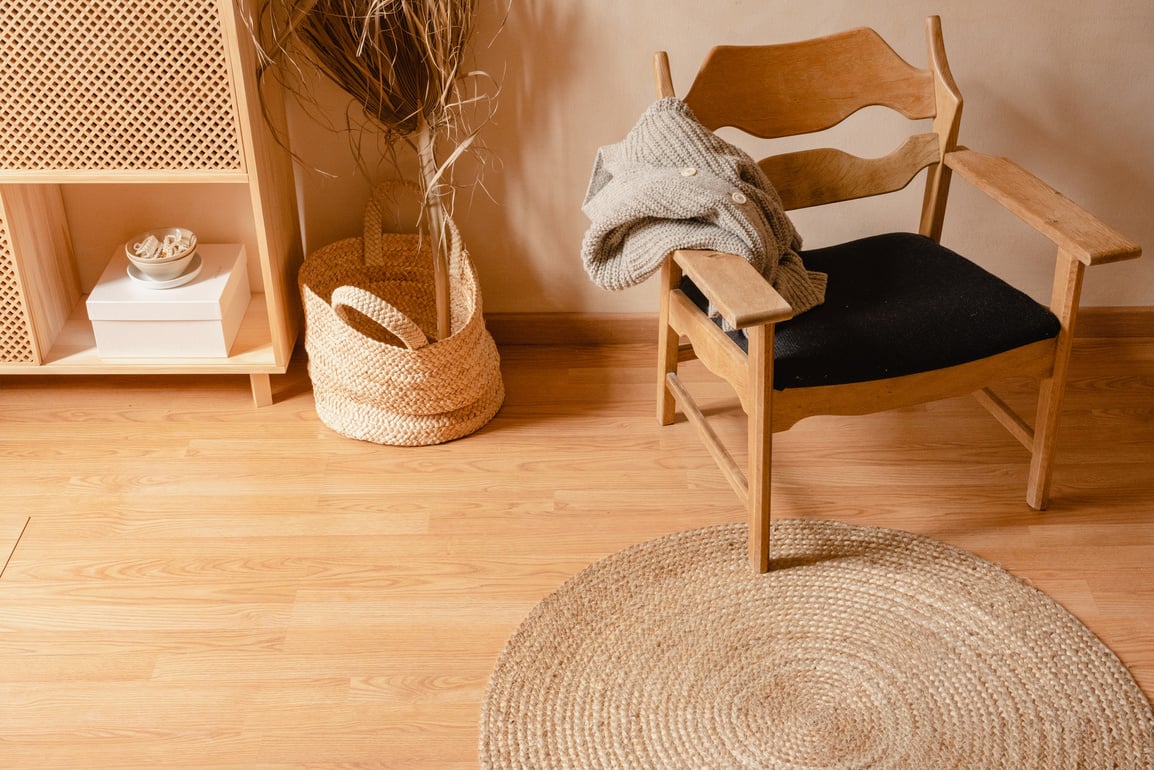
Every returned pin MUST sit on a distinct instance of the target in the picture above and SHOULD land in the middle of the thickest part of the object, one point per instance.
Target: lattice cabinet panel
(119, 116)
(124, 85)
(16, 343)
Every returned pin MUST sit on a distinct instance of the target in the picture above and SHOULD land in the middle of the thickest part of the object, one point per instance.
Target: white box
(197, 320)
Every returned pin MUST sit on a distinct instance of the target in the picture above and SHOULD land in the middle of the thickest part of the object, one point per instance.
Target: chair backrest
(783, 90)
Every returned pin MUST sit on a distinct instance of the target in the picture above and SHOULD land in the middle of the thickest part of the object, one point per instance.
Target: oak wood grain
(1052, 214)
(204, 584)
(806, 86)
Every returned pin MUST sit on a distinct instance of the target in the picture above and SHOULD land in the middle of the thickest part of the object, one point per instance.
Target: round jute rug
(864, 648)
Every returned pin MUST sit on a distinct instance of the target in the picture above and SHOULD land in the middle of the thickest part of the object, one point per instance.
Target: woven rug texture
(862, 648)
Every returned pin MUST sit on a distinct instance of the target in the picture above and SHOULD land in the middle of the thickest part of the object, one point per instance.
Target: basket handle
(374, 216)
(385, 315)
(372, 231)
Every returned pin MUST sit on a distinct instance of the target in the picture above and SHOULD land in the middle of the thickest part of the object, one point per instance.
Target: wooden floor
(189, 582)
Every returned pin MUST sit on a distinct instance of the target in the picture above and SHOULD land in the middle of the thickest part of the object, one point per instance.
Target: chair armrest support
(1053, 215)
(734, 287)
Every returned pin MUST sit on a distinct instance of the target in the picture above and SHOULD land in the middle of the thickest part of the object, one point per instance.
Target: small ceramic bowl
(162, 254)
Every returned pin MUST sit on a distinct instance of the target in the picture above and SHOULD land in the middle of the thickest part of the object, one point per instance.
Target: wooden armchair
(905, 320)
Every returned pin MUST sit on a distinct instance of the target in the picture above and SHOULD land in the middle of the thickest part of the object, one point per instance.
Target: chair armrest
(1037, 204)
(734, 287)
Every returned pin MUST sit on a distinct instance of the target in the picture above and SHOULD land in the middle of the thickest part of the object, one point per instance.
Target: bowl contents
(162, 254)
(174, 244)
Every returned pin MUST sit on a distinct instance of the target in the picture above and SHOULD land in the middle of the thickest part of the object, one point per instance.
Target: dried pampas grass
(402, 61)
(399, 59)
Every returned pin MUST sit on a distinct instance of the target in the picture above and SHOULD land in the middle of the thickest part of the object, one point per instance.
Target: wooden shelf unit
(116, 118)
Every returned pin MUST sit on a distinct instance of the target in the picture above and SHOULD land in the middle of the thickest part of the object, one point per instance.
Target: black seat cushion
(898, 304)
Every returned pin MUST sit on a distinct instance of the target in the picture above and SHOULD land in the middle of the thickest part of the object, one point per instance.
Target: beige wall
(1064, 87)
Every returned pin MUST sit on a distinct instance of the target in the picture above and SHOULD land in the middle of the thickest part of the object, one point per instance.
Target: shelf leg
(261, 389)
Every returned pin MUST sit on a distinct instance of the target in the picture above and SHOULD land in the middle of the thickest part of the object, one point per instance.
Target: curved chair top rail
(780, 90)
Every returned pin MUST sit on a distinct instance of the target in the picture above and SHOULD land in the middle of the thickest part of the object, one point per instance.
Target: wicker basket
(376, 375)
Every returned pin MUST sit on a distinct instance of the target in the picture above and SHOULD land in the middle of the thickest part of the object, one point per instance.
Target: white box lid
(117, 297)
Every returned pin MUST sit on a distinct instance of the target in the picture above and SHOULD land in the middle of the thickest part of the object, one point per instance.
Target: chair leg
(667, 344)
(760, 436)
(1064, 303)
(1042, 457)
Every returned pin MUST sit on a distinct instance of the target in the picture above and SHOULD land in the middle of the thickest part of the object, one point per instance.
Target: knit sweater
(673, 184)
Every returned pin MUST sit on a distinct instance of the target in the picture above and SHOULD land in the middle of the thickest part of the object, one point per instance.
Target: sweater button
(738, 197)
(689, 171)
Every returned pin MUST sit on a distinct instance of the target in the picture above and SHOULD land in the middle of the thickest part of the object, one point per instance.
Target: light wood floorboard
(202, 584)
